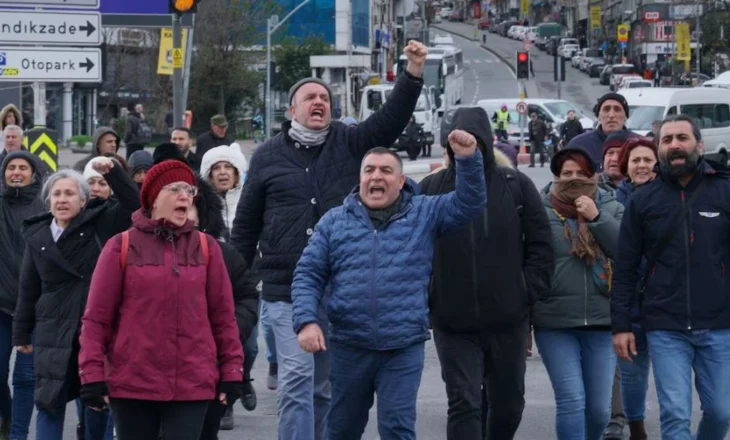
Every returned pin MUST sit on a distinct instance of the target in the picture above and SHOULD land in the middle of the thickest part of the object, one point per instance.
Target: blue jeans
(95, 430)
(303, 394)
(358, 373)
(634, 384)
(19, 409)
(49, 425)
(268, 332)
(250, 351)
(674, 354)
(581, 365)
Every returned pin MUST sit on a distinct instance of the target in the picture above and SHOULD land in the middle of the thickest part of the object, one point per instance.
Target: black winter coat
(54, 285)
(16, 205)
(207, 141)
(487, 275)
(687, 286)
(290, 186)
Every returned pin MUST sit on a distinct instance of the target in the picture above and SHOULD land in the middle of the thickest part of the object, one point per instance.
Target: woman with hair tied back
(159, 339)
(61, 250)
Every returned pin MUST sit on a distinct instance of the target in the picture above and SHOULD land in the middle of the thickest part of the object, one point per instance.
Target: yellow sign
(44, 148)
(177, 58)
(595, 17)
(684, 50)
(622, 33)
(525, 8)
(166, 60)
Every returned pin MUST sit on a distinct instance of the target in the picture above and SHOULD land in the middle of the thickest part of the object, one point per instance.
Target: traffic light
(183, 6)
(523, 64)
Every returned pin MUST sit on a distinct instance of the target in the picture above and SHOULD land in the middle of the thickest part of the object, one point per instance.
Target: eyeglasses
(179, 188)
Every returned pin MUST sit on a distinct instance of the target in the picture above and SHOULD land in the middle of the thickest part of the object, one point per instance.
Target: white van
(709, 106)
(549, 110)
(373, 98)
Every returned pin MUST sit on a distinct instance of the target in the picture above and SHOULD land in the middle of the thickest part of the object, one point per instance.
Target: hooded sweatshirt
(98, 134)
(486, 275)
(231, 197)
(16, 204)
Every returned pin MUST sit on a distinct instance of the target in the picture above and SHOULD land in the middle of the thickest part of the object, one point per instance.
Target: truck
(375, 96)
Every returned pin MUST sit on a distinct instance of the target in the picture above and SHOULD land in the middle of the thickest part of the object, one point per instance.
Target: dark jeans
(357, 374)
(49, 425)
(496, 358)
(19, 409)
(250, 352)
(501, 134)
(151, 420)
(537, 147)
(426, 150)
(212, 422)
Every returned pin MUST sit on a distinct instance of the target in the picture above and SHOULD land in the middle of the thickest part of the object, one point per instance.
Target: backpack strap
(125, 250)
(512, 179)
(204, 247)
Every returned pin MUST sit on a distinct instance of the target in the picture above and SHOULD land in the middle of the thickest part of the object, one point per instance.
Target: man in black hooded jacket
(485, 278)
(20, 199)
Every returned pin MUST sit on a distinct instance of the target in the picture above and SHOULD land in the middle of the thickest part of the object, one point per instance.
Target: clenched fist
(416, 53)
(102, 165)
(311, 338)
(463, 143)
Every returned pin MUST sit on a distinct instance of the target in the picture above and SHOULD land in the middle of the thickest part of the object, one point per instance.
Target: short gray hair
(13, 127)
(84, 190)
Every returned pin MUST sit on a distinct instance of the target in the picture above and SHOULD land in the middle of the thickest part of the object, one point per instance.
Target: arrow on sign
(88, 64)
(89, 28)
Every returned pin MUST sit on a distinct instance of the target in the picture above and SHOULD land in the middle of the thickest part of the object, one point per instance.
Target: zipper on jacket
(686, 256)
(474, 284)
(585, 290)
(373, 260)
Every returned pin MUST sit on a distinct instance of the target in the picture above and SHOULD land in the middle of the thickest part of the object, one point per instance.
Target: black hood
(210, 210)
(474, 120)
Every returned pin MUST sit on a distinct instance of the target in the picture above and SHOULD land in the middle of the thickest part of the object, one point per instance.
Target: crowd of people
(125, 284)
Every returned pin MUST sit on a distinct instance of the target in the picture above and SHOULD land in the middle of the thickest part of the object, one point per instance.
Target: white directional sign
(50, 64)
(71, 4)
(57, 28)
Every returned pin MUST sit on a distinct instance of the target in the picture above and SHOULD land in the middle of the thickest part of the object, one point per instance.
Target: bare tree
(222, 72)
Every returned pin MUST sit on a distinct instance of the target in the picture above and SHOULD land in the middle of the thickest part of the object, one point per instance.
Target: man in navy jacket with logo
(369, 262)
(686, 304)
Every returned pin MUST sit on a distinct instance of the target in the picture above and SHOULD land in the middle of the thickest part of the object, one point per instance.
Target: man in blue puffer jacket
(373, 256)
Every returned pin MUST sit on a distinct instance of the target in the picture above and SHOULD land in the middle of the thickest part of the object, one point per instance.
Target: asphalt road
(578, 88)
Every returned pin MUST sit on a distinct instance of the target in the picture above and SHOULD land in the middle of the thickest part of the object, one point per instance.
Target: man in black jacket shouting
(293, 180)
(485, 278)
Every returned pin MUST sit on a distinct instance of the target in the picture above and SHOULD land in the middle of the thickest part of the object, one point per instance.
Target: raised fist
(416, 53)
(463, 143)
(102, 164)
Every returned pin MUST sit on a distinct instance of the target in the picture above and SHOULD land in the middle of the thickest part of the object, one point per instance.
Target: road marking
(476, 91)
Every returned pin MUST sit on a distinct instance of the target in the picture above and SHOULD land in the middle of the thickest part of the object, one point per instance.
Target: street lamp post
(272, 24)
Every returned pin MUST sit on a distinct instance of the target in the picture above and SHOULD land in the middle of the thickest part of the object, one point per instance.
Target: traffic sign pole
(177, 80)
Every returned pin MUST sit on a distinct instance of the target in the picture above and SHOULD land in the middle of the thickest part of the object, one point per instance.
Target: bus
(444, 70)
(545, 31)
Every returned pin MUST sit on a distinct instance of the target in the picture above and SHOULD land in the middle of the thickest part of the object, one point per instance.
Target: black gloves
(92, 395)
(232, 390)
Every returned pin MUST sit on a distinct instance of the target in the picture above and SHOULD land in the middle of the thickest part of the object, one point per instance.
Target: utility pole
(177, 80)
(272, 24)
(698, 29)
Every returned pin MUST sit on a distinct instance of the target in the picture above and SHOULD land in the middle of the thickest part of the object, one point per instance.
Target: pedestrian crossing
(480, 61)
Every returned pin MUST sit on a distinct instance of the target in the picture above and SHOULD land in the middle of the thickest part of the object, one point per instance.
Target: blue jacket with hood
(687, 286)
(377, 279)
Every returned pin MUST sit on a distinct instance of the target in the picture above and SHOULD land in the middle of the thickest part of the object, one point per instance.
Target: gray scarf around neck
(304, 135)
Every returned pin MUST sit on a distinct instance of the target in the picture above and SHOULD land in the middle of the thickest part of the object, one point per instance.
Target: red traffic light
(522, 57)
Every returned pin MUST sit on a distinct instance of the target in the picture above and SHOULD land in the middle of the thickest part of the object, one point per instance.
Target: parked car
(567, 51)
(575, 61)
(596, 67)
(483, 24)
(605, 76)
(445, 12)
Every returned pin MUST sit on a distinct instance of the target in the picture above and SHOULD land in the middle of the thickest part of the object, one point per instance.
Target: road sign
(522, 108)
(43, 146)
(622, 31)
(50, 64)
(652, 16)
(63, 4)
(50, 28)
(177, 58)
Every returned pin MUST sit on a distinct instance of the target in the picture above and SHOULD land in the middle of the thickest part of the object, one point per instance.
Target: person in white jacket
(225, 168)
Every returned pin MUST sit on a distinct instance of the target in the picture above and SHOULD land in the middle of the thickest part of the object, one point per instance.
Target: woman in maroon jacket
(159, 338)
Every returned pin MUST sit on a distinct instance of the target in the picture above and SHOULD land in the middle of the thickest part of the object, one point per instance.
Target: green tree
(292, 59)
(221, 77)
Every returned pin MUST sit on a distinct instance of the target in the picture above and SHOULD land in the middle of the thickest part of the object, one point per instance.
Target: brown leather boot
(637, 430)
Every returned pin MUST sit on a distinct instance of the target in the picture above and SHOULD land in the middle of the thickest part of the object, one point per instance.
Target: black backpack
(512, 179)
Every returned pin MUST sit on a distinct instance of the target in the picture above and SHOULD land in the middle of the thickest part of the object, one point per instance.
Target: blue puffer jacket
(378, 278)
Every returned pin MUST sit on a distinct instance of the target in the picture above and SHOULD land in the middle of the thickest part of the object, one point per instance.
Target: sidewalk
(508, 58)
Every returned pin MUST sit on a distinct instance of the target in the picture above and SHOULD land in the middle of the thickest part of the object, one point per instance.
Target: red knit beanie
(161, 175)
